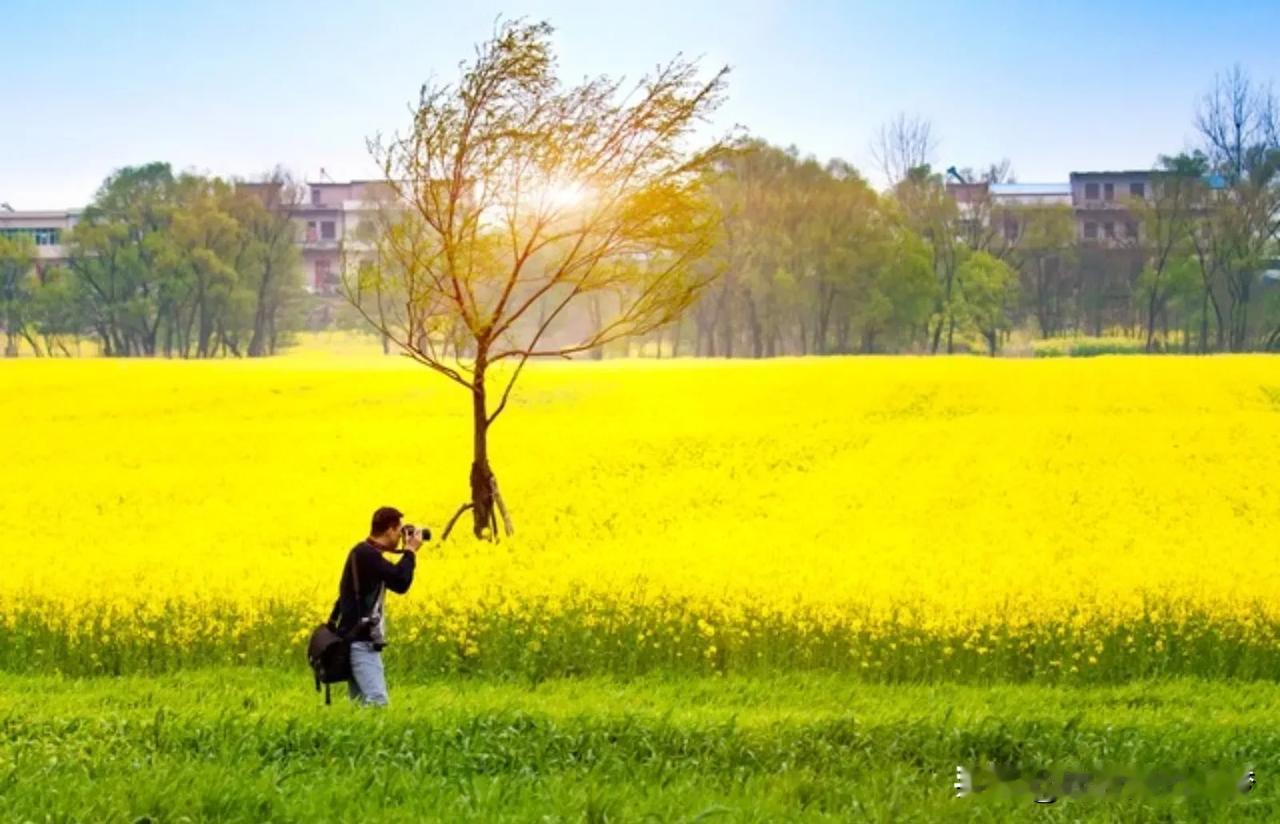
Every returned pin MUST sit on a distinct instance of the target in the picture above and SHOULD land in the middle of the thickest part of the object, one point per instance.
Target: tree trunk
(726, 328)
(597, 321)
(35, 345)
(486, 501)
(944, 312)
(822, 322)
(188, 331)
(258, 343)
(204, 330)
(1244, 317)
(1204, 322)
(757, 333)
(481, 491)
(1153, 307)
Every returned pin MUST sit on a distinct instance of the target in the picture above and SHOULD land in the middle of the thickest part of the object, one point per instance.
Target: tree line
(179, 265)
(814, 261)
(809, 258)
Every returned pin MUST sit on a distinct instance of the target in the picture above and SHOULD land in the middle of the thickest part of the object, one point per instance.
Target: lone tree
(525, 219)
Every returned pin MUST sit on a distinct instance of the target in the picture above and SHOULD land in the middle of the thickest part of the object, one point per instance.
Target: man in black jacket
(366, 577)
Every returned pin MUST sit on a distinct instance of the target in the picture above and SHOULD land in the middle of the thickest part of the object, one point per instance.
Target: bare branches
(409, 332)
(1234, 117)
(904, 143)
(511, 191)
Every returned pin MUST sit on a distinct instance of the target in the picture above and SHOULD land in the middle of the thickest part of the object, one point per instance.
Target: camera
(410, 529)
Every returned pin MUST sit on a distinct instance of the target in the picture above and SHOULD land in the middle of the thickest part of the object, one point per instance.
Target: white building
(47, 230)
(329, 224)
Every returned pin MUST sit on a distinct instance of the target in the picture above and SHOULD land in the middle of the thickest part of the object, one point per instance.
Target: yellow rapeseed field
(900, 518)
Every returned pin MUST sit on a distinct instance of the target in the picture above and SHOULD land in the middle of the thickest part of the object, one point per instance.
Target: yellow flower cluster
(894, 517)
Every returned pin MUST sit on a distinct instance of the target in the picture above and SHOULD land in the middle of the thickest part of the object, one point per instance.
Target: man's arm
(396, 576)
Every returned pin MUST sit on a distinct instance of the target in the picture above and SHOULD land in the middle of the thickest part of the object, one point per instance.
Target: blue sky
(235, 87)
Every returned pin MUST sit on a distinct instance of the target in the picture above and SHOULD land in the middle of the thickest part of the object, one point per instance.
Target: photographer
(371, 575)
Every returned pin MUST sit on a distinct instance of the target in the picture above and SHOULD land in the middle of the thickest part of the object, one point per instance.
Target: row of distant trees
(809, 259)
(814, 260)
(162, 264)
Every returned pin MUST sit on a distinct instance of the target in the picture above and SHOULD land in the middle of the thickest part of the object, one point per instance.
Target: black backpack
(330, 657)
(328, 651)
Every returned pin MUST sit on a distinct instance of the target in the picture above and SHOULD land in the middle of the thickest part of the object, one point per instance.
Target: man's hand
(412, 542)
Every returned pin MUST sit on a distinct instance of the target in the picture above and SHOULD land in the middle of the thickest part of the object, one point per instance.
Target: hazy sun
(563, 195)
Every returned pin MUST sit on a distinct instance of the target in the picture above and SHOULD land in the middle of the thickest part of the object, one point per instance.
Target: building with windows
(1103, 202)
(1011, 200)
(328, 221)
(46, 229)
(1108, 256)
(329, 228)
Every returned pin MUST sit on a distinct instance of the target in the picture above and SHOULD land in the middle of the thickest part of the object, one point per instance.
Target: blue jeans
(368, 685)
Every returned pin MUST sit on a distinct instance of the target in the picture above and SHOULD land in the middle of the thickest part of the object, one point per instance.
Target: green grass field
(259, 745)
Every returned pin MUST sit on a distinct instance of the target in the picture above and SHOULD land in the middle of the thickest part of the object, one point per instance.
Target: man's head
(385, 527)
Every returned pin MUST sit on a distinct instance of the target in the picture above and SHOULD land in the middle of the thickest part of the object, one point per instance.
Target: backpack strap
(355, 575)
(355, 579)
(336, 613)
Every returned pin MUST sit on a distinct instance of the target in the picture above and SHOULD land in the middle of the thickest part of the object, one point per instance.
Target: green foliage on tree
(183, 265)
(17, 286)
(987, 291)
(812, 260)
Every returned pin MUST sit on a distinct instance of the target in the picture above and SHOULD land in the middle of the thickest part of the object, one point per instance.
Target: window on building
(315, 196)
(1091, 191)
(1010, 229)
(1137, 190)
(312, 236)
(39, 237)
(1109, 229)
(1109, 191)
(1090, 230)
(1131, 230)
(326, 230)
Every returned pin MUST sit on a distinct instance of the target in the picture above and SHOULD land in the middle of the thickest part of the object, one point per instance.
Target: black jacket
(374, 572)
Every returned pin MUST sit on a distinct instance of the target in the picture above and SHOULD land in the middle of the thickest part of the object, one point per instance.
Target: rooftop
(38, 214)
(335, 183)
(1015, 189)
(1119, 173)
